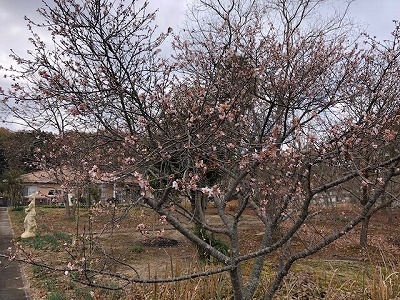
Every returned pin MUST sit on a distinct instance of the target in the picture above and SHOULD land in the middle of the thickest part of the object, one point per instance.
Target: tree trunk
(88, 200)
(388, 208)
(365, 221)
(69, 210)
(66, 203)
(364, 232)
(236, 281)
(389, 213)
(199, 207)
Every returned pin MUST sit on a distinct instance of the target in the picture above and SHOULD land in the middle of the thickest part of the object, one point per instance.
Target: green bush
(212, 240)
(137, 249)
(17, 208)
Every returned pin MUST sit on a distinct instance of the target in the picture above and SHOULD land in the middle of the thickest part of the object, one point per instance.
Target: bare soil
(158, 249)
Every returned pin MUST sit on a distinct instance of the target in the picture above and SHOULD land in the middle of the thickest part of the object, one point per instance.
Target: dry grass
(342, 271)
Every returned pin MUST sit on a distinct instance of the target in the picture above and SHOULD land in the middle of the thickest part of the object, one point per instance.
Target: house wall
(120, 193)
(40, 184)
(42, 192)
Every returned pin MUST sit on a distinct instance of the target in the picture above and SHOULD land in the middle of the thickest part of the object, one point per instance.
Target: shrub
(137, 249)
(212, 240)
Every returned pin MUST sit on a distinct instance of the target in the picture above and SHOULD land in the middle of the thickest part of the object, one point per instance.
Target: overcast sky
(375, 15)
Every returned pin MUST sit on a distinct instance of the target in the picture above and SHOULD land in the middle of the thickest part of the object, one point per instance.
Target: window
(29, 190)
(53, 193)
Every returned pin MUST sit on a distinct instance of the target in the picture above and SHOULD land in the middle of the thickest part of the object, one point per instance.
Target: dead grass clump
(341, 271)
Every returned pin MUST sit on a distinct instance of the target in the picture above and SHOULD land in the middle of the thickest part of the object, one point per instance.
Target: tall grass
(211, 287)
(376, 278)
(384, 283)
(341, 280)
(309, 279)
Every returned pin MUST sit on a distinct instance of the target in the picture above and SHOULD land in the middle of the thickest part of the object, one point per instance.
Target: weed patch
(52, 242)
(137, 249)
(344, 270)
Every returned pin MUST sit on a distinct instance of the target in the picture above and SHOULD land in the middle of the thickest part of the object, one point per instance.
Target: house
(45, 187)
(48, 189)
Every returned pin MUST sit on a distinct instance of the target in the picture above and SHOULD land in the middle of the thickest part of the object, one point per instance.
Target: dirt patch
(154, 256)
(159, 242)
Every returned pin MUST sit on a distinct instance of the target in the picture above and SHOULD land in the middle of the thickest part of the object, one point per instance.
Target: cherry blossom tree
(285, 93)
(377, 106)
(256, 101)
